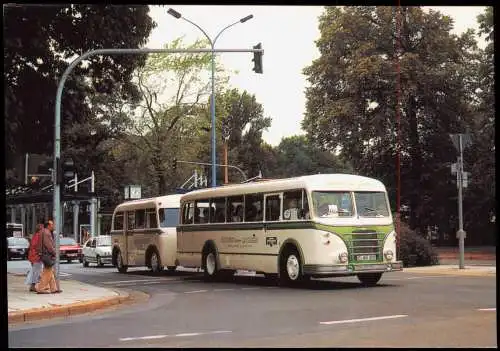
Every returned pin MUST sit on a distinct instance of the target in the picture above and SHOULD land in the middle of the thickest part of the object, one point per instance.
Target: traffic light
(65, 171)
(174, 164)
(257, 59)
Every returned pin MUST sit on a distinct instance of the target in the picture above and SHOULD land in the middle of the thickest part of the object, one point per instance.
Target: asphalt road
(404, 310)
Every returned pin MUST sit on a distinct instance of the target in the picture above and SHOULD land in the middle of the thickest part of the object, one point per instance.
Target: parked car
(69, 250)
(17, 247)
(97, 250)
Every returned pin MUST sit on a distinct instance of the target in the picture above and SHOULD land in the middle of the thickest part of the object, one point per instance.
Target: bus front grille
(365, 246)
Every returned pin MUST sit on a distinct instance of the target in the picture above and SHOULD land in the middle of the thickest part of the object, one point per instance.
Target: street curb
(453, 271)
(68, 310)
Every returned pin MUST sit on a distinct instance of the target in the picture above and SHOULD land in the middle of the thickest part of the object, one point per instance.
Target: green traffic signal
(257, 59)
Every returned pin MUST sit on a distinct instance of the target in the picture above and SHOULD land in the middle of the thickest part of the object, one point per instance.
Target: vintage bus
(293, 229)
(143, 233)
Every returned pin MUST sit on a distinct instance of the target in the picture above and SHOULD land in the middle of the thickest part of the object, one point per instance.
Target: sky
(287, 34)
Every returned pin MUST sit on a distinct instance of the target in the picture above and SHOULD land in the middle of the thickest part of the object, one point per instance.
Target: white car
(97, 250)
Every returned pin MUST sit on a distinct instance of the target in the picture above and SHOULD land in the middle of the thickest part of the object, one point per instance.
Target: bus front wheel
(369, 279)
(290, 267)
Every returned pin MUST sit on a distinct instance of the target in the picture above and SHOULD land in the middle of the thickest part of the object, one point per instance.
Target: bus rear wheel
(369, 279)
(209, 264)
(155, 262)
(119, 263)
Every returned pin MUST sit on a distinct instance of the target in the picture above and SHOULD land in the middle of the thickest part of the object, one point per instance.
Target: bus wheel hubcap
(154, 262)
(292, 267)
(210, 263)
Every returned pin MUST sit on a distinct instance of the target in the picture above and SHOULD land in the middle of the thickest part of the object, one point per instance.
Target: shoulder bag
(46, 256)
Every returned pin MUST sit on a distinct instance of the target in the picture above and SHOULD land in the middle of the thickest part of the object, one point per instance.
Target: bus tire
(369, 279)
(154, 261)
(290, 267)
(119, 263)
(209, 264)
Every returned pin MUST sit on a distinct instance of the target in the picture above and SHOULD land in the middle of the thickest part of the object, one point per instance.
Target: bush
(415, 250)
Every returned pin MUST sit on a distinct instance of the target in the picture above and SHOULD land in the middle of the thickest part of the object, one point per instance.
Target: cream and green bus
(143, 233)
(325, 225)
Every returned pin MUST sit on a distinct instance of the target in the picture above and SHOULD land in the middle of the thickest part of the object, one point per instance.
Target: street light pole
(212, 98)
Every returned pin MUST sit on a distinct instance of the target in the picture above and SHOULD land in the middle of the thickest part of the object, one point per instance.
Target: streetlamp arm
(229, 26)
(212, 43)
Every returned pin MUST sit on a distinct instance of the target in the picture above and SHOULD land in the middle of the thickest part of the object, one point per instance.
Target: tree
(479, 158)
(351, 101)
(297, 156)
(243, 118)
(39, 40)
(165, 123)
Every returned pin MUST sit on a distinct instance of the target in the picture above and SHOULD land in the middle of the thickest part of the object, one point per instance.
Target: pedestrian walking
(34, 258)
(47, 283)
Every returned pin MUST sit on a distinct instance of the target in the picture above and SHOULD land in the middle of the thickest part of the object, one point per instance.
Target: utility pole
(460, 141)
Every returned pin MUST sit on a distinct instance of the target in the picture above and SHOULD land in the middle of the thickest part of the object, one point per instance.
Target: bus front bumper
(351, 269)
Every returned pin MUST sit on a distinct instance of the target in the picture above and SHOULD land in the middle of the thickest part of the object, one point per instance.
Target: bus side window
(151, 221)
(140, 219)
(291, 201)
(118, 221)
(130, 220)
(273, 208)
(236, 204)
(217, 209)
(253, 207)
(187, 213)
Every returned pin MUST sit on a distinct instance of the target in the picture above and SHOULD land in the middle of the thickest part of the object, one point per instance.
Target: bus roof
(160, 201)
(318, 182)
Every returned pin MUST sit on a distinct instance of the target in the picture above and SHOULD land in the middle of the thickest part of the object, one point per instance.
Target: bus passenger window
(236, 204)
(151, 221)
(140, 219)
(253, 207)
(217, 209)
(273, 208)
(118, 221)
(187, 213)
(130, 220)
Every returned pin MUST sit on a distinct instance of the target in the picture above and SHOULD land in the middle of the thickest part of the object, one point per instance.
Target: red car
(70, 250)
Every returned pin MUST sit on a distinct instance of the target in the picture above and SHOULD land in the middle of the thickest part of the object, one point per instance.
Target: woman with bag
(47, 252)
(35, 260)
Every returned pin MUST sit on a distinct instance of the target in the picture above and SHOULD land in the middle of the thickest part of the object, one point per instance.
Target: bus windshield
(371, 204)
(169, 217)
(333, 203)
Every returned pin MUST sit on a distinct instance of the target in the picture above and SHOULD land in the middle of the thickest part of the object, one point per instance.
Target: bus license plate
(366, 257)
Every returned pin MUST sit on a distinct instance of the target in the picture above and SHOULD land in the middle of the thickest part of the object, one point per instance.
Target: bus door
(272, 217)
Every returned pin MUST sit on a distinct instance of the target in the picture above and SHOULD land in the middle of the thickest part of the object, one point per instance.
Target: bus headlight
(343, 257)
(388, 254)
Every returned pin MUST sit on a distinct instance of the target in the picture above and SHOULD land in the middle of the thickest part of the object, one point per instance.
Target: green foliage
(38, 41)
(297, 156)
(414, 250)
(352, 98)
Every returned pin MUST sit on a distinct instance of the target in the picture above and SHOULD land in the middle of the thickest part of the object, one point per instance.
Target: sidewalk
(481, 253)
(76, 298)
(469, 270)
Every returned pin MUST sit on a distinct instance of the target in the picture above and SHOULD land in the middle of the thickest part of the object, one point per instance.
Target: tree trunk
(416, 162)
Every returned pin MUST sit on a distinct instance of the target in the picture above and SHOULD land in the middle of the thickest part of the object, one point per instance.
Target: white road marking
(250, 288)
(174, 335)
(427, 276)
(195, 291)
(487, 309)
(138, 280)
(364, 319)
(223, 289)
